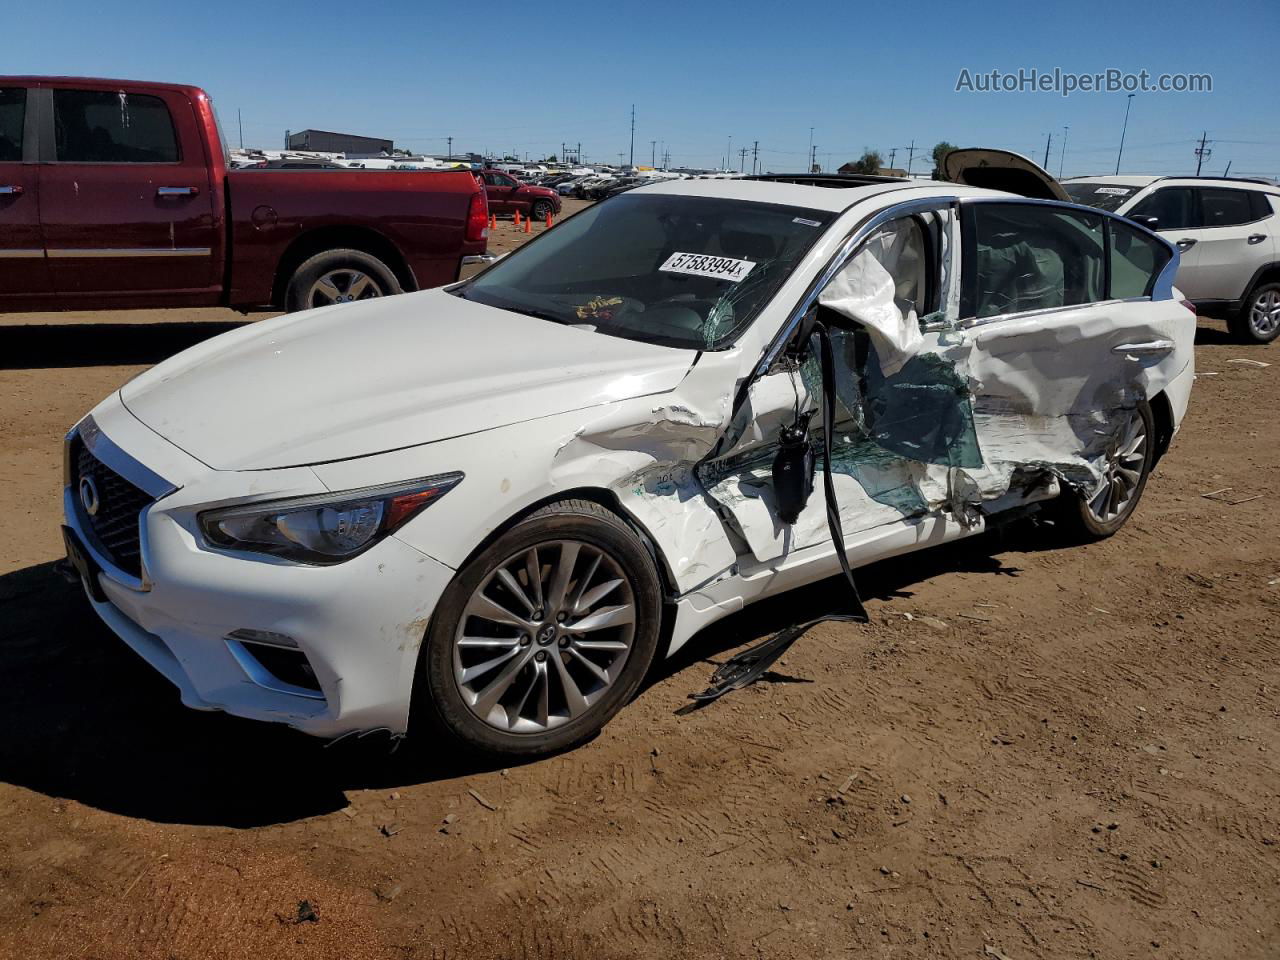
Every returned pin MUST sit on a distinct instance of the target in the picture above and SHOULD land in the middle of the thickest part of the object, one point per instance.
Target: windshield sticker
(1114, 191)
(807, 223)
(702, 265)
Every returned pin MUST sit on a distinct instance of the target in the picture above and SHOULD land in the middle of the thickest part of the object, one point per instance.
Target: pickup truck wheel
(1259, 319)
(339, 276)
(541, 210)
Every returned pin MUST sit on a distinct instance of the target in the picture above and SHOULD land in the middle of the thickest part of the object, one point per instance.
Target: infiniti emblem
(89, 496)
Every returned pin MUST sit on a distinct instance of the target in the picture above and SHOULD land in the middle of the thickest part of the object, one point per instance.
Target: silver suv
(1228, 231)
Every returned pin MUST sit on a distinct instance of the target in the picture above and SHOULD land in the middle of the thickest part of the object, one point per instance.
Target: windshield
(1104, 196)
(671, 270)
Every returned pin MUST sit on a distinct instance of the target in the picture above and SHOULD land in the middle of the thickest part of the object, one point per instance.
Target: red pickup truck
(118, 194)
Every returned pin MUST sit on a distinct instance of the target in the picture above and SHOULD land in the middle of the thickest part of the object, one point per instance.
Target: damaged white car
(491, 506)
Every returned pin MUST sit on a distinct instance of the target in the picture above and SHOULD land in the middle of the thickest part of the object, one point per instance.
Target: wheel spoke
(595, 595)
(512, 584)
(480, 669)
(491, 694)
(600, 673)
(543, 713)
(563, 573)
(487, 609)
(489, 643)
(608, 617)
(600, 645)
(579, 604)
(326, 288)
(359, 286)
(533, 570)
(572, 695)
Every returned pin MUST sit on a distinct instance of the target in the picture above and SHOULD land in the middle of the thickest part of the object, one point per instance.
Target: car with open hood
(490, 507)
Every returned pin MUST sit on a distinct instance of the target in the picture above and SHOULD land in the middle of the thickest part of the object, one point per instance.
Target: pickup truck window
(13, 109)
(107, 126)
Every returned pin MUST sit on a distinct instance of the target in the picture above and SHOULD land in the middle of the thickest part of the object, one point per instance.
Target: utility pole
(653, 153)
(1046, 150)
(579, 159)
(911, 152)
(728, 154)
(1123, 130)
(1063, 159)
(813, 158)
(241, 125)
(633, 135)
(1227, 171)
(755, 156)
(893, 152)
(1201, 151)
(450, 139)
(810, 153)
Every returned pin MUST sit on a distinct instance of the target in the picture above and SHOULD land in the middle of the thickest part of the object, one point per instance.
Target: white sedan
(490, 507)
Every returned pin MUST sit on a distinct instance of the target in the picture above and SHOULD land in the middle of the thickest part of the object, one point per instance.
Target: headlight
(328, 528)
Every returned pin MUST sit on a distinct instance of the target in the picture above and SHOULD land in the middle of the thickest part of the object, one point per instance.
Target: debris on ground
(1246, 362)
(307, 913)
(481, 800)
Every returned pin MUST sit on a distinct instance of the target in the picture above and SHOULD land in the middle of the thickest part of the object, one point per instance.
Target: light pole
(1123, 131)
(809, 155)
(728, 154)
(1063, 158)
(450, 139)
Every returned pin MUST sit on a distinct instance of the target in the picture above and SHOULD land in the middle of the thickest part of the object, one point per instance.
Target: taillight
(478, 218)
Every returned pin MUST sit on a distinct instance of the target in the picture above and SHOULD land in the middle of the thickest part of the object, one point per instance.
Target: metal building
(327, 141)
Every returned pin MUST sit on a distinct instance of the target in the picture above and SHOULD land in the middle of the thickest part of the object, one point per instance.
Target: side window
(1136, 260)
(100, 126)
(1221, 207)
(492, 179)
(1173, 207)
(13, 112)
(1260, 204)
(1032, 257)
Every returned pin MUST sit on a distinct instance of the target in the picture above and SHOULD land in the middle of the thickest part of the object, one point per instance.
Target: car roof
(109, 83)
(1189, 179)
(809, 195)
(1125, 180)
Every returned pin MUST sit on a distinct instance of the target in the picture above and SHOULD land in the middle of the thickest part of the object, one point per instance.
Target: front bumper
(360, 623)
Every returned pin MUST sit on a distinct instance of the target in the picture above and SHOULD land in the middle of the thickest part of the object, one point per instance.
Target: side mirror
(1148, 222)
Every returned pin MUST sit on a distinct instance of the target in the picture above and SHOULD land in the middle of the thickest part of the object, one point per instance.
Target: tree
(940, 150)
(551, 159)
(869, 162)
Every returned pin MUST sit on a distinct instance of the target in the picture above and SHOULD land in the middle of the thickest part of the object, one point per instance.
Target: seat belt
(794, 466)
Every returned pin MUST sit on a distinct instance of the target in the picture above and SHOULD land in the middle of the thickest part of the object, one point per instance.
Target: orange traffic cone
(517, 218)
(548, 221)
(528, 225)
(493, 221)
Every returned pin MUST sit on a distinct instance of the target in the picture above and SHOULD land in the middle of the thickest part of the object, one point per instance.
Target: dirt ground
(1031, 752)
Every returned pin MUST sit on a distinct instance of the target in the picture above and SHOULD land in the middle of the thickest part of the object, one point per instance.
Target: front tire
(543, 636)
(541, 210)
(339, 276)
(1259, 318)
(1129, 459)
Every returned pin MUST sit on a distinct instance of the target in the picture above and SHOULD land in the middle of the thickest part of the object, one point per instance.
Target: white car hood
(358, 379)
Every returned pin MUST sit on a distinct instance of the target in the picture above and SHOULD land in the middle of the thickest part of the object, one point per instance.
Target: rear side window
(13, 112)
(1136, 260)
(1173, 207)
(1032, 257)
(93, 126)
(1225, 208)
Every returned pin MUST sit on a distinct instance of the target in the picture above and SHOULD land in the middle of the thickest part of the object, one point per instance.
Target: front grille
(115, 523)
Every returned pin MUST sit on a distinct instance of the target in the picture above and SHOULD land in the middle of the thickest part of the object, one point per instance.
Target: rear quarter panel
(422, 214)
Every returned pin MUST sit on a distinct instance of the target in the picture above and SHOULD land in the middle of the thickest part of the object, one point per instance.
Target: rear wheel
(339, 276)
(544, 636)
(1259, 319)
(1130, 455)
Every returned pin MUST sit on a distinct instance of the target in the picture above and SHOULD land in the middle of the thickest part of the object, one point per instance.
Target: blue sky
(521, 77)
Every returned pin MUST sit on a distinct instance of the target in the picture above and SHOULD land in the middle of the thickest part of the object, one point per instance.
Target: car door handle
(11, 190)
(177, 191)
(1186, 243)
(1257, 237)
(1150, 347)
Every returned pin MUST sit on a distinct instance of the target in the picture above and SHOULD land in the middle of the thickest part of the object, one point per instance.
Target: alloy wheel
(544, 637)
(1264, 315)
(1122, 472)
(342, 286)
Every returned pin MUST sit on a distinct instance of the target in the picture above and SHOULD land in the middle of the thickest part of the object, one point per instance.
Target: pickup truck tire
(339, 276)
(541, 210)
(1259, 318)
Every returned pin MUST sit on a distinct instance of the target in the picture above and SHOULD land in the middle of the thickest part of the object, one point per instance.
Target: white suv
(1227, 230)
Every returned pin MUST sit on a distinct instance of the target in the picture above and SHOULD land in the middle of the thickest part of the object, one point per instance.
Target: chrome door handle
(1151, 346)
(1257, 237)
(12, 190)
(177, 191)
(1186, 243)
